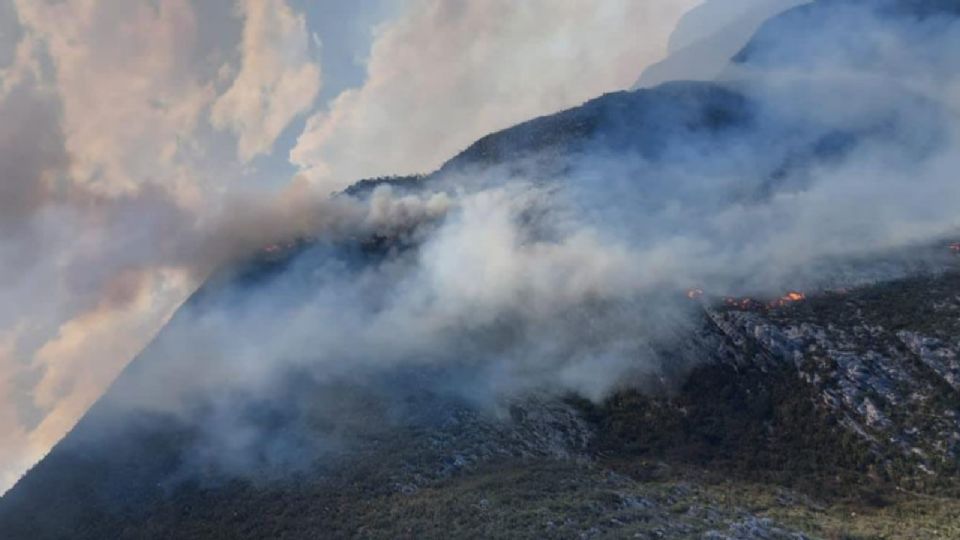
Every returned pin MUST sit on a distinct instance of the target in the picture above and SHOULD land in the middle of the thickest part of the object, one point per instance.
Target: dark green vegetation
(757, 422)
(754, 425)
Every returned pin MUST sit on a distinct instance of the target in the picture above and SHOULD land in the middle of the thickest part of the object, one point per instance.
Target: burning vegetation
(789, 298)
(747, 303)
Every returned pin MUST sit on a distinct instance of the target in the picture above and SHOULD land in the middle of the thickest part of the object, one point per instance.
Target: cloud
(443, 74)
(278, 78)
(131, 82)
(112, 203)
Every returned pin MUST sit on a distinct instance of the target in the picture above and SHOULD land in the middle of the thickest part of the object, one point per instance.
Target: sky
(134, 131)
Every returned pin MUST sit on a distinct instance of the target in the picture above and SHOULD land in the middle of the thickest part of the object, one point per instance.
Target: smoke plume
(551, 259)
(563, 272)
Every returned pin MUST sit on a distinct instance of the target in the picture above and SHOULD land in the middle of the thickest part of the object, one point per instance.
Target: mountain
(312, 390)
(708, 36)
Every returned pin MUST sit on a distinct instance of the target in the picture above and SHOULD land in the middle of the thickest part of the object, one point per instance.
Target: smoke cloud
(514, 279)
(559, 271)
(144, 147)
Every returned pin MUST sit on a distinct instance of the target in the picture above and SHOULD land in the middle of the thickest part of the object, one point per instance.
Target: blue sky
(341, 34)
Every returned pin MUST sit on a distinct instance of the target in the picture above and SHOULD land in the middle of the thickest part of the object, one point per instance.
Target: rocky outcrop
(894, 388)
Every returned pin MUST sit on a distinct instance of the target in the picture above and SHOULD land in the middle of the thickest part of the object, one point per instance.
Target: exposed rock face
(935, 354)
(890, 386)
(754, 529)
(833, 394)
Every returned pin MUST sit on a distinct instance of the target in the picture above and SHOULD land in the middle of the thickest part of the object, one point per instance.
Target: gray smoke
(559, 273)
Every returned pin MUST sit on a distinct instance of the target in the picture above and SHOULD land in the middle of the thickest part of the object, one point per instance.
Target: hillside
(800, 417)
(332, 387)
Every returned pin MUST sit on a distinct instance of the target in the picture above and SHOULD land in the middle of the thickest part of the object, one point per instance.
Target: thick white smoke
(144, 143)
(507, 280)
(564, 272)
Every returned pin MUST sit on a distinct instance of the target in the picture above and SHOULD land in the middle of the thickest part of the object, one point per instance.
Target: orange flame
(749, 303)
(789, 298)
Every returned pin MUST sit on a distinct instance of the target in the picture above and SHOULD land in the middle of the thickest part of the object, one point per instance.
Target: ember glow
(747, 303)
(789, 298)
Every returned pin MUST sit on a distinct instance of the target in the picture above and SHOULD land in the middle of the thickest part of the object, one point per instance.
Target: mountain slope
(838, 427)
(762, 417)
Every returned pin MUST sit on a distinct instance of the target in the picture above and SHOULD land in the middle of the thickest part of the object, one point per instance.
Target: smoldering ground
(552, 259)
